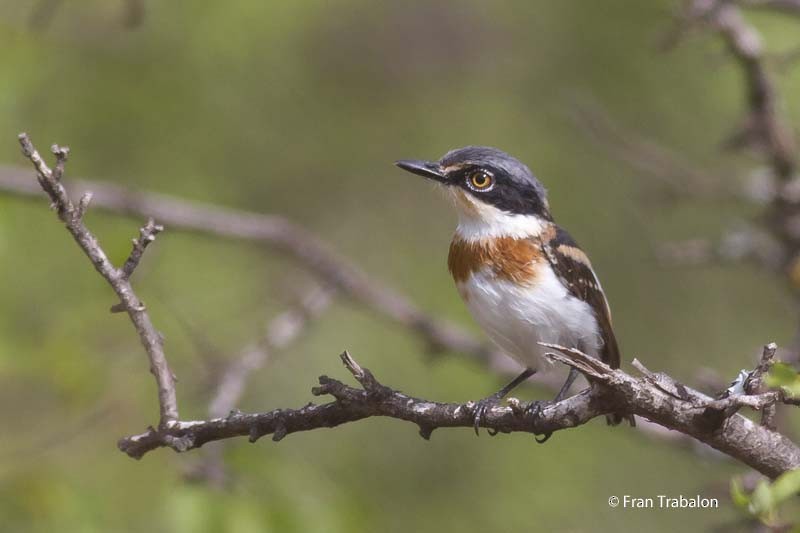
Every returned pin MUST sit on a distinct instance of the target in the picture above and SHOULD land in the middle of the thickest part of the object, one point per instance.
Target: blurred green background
(300, 108)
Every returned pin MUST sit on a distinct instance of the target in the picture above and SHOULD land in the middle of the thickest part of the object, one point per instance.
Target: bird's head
(495, 194)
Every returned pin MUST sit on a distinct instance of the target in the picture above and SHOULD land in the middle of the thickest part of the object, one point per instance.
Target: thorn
(279, 433)
(425, 432)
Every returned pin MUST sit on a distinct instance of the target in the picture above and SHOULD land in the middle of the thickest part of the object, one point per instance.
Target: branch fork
(51, 182)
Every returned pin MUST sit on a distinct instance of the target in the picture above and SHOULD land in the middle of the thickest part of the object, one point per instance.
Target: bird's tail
(611, 356)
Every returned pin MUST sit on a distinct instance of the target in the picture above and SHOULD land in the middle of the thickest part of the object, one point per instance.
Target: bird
(523, 277)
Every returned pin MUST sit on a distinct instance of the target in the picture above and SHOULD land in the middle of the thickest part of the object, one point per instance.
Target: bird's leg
(536, 407)
(483, 405)
(573, 375)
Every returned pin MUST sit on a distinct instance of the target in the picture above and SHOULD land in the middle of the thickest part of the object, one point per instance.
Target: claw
(480, 413)
(476, 421)
(486, 403)
(535, 408)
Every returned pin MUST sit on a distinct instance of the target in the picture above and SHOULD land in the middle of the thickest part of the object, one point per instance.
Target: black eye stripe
(504, 193)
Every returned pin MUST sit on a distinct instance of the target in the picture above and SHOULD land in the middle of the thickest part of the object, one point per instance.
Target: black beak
(427, 169)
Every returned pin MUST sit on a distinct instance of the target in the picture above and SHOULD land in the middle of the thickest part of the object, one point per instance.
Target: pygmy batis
(523, 278)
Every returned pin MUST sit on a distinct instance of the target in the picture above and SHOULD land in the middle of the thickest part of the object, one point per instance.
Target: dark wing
(573, 268)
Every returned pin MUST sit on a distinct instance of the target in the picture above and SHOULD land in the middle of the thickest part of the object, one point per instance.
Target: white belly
(517, 318)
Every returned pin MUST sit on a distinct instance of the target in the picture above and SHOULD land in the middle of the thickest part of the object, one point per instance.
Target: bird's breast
(514, 294)
(506, 258)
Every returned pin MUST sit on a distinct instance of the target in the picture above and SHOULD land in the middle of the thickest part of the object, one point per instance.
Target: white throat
(477, 220)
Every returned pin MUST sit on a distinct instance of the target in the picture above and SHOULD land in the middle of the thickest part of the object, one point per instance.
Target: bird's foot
(535, 409)
(480, 410)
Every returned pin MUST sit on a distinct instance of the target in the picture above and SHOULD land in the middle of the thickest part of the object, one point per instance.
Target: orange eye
(480, 181)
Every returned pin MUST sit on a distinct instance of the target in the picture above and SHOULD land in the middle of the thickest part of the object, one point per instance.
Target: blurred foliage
(767, 498)
(299, 108)
(784, 376)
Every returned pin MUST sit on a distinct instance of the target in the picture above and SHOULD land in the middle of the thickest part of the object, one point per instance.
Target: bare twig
(83, 204)
(755, 384)
(147, 234)
(614, 390)
(755, 401)
(49, 180)
(753, 397)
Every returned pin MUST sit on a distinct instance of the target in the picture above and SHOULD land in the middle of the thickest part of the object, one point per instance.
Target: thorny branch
(673, 405)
